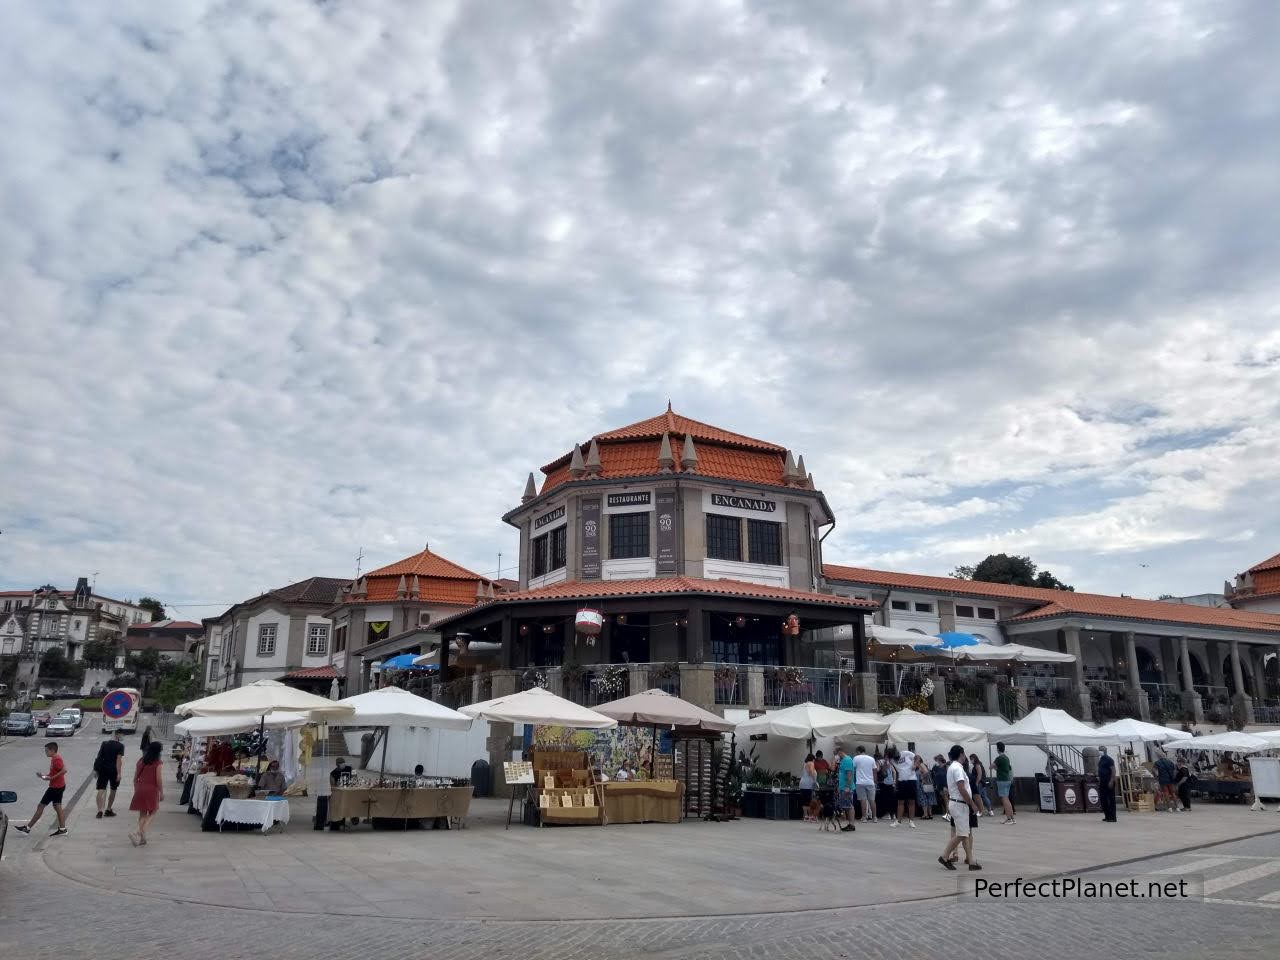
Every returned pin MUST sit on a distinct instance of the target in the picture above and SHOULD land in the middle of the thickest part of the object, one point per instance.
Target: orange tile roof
(662, 586)
(1271, 563)
(314, 673)
(424, 564)
(632, 451)
(1058, 603)
(439, 580)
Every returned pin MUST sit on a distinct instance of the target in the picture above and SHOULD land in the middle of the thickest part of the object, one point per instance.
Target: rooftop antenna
(93, 584)
(359, 558)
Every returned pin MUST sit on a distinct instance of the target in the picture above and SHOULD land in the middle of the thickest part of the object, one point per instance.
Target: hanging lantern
(682, 622)
(524, 629)
(548, 628)
(739, 622)
(588, 622)
(791, 626)
(621, 618)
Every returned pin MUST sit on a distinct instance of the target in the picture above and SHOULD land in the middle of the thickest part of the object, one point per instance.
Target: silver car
(61, 727)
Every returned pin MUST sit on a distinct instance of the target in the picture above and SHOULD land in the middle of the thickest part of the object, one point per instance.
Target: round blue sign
(117, 704)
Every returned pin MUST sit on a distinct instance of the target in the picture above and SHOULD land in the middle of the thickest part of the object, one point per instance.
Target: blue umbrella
(404, 661)
(952, 640)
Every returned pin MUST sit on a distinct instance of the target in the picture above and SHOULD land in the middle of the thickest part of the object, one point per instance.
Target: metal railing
(828, 686)
(662, 676)
(965, 695)
(1052, 692)
(1266, 711)
(1111, 700)
(594, 685)
(730, 683)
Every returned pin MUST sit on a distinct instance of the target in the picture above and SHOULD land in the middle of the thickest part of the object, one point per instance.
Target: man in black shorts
(107, 767)
(57, 779)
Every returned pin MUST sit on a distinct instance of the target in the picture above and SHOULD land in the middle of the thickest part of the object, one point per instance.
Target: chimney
(593, 459)
(530, 489)
(666, 460)
(415, 589)
(576, 467)
(402, 589)
(688, 455)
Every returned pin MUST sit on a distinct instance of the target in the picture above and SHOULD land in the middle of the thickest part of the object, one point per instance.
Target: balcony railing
(591, 686)
(830, 687)
(1111, 700)
(1266, 711)
(1052, 692)
(730, 683)
(662, 676)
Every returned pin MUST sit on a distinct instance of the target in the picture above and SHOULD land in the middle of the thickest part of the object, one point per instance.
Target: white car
(75, 713)
(61, 726)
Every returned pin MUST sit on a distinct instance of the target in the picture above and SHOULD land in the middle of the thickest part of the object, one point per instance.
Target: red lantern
(588, 622)
(524, 629)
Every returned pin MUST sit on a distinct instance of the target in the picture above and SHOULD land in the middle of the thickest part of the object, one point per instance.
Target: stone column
(939, 695)
(1241, 703)
(698, 685)
(992, 691)
(555, 680)
(1138, 695)
(1258, 662)
(1071, 640)
(1213, 650)
(504, 683)
(1190, 699)
(755, 687)
(637, 678)
(1168, 661)
(870, 692)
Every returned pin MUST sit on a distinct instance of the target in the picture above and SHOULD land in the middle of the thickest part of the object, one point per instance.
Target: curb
(496, 921)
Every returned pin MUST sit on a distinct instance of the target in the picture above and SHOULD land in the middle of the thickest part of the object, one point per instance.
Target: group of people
(905, 781)
(148, 787)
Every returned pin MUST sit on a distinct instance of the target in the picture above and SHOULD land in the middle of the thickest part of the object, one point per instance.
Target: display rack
(565, 789)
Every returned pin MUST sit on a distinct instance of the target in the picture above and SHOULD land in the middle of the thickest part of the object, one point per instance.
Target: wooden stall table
(643, 801)
(398, 803)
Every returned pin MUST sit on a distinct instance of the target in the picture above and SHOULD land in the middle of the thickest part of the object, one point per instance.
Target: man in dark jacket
(1107, 786)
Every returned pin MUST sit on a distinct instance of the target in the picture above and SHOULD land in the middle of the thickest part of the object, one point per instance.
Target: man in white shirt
(960, 798)
(864, 779)
(905, 761)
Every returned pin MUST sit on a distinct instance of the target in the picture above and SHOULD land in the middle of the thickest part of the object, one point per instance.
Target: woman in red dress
(148, 791)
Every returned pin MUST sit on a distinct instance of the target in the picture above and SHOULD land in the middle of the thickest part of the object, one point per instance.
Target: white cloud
(285, 279)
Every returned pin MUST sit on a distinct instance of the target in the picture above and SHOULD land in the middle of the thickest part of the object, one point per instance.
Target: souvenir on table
(589, 799)
(549, 781)
(566, 800)
(544, 800)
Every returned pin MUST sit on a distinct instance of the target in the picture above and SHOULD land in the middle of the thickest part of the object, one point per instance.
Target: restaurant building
(700, 550)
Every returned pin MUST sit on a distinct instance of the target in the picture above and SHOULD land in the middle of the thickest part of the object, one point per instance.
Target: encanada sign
(546, 518)
(743, 503)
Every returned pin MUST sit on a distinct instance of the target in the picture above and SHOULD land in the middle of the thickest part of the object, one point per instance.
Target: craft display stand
(1132, 778)
(566, 789)
(519, 777)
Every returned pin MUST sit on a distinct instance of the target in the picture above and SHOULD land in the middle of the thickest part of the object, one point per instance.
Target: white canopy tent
(394, 707)
(541, 708)
(1231, 740)
(1140, 731)
(893, 637)
(910, 726)
(1045, 726)
(263, 697)
(225, 724)
(809, 721)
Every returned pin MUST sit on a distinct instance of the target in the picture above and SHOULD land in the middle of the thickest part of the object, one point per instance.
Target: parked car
(42, 718)
(60, 726)
(6, 796)
(75, 713)
(20, 724)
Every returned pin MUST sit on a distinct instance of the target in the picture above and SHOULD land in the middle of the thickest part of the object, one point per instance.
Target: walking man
(107, 766)
(905, 762)
(962, 802)
(864, 780)
(57, 780)
(1107, 786)
(845, 774)
(1004, 782)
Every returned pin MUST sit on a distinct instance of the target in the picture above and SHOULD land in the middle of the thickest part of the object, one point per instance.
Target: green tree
(54, 665)
(155, 607)
(101, 653)
(181, 683)
(145, 665)
(963, 572)
(1018, 571)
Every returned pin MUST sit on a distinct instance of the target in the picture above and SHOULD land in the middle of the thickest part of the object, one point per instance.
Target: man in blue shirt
(845, 769)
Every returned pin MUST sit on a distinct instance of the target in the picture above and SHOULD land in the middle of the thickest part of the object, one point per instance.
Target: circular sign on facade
(117, 704)
(1094, 799)
(1069, 796)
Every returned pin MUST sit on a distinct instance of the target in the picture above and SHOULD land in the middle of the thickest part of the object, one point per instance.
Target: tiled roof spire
(577, 469)
(530, 489)
(789, 472)
(402, 589)
(666, 460)
(415, 589)
(593, 459)
(688, 455)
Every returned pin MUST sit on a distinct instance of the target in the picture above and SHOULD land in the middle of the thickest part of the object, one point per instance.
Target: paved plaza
(743, 889)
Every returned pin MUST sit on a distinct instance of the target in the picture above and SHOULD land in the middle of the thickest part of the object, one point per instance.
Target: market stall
(550, 802)
(1134, 778)
(655, 799)
(1230, 778)
(1063, 791)
(358, 798)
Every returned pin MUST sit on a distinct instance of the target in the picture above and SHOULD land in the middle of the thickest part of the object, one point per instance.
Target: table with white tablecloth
(263, 813)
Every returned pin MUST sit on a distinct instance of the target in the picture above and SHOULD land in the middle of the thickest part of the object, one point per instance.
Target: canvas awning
(657, 708)
(1230, 740)
(393, 707)
(540, 707)
(263, 697)
(225, 724)
(808, 721)
(1140, 731)
(1045, 726)
(911, 726)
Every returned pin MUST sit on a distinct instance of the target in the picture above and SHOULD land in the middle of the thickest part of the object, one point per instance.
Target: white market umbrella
(1045, 726)
(1140, 731)
(394, 707)
(263, 697)
(1025, 654)
(985, 651)
(1231, 740)
(541, 708)
(225, 724)
(894, 637)
(808, 721)
(910, 726)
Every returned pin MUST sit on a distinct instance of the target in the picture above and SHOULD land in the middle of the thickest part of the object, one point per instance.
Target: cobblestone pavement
(43, 915)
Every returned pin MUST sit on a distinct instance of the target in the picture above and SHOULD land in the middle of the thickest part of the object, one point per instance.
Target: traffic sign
(117, 704)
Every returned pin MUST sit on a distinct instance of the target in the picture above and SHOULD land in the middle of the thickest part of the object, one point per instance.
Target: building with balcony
(700, 548)
(1257, 589)
(1171, 662)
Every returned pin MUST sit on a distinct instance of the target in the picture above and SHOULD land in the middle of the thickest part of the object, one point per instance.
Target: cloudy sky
(285, 280)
